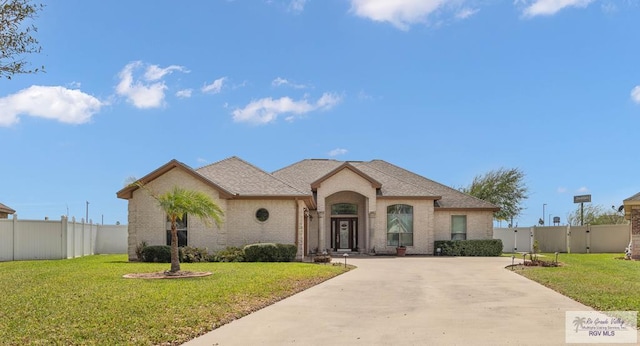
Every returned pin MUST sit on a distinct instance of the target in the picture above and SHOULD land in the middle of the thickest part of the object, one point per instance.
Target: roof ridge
(396, 177)
(437, 183)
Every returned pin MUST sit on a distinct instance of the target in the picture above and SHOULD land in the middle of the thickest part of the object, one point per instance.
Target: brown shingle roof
(395, 181)
(5, 209)
(244, 179)
(635, 197)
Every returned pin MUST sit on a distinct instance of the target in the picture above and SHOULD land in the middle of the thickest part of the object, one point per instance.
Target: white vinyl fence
(48, 239)
(576, 239)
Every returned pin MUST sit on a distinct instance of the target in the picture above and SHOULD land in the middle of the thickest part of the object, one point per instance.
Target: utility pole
(86, 220)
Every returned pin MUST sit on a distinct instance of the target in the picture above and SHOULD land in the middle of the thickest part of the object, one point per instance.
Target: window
(458, 227)
(400, 225)
(262, 215)
(181, 228)
(344, 209)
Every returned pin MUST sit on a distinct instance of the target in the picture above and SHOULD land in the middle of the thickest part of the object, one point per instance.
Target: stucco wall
(479, 224)
(344, 186)
(423, 226)
(243, 228)
(147, 222)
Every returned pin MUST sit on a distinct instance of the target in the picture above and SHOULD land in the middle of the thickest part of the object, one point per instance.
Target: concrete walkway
(410, 301)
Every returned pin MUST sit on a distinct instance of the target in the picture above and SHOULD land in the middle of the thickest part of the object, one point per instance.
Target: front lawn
(86, 300)
(600, 281)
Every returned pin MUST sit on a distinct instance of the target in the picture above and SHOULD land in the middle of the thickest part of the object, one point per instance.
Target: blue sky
(449, 89)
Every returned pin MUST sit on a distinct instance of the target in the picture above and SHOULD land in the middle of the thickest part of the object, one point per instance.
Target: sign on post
(582, 199)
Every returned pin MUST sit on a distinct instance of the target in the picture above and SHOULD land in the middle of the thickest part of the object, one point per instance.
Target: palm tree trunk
(175, 261)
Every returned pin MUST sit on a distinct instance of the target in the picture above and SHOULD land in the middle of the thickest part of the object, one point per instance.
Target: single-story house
(632, 213)
(5, 211)
(316, 204)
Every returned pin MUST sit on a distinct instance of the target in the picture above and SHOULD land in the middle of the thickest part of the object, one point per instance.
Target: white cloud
(297, 6)
(267, 109)
(562, 189)
(400, 13)
(337, 151)
(214, 87)
(184, 93)
(50, 102)
(154, 72)
(466, 12)
(635, 94)
(284, 82)
(147, 92)
(551, 7)
(582, 189)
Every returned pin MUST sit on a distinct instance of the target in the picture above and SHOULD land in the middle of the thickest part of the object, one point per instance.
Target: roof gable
(5, 209)
(245, 179)
(127, 192)
(346, 165)
(635, 197)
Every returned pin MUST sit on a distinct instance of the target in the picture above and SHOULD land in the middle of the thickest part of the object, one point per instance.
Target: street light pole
(86, 220)
(543, 213)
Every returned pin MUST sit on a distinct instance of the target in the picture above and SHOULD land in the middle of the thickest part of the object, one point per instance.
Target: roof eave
(374, 183)
(127, 192)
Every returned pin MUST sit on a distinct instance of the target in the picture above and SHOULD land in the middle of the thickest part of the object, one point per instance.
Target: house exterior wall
(353, 198)
(423, 226)
(479, 224)
(635, 232)
(147, 222)
(343, 184)
(243, 228)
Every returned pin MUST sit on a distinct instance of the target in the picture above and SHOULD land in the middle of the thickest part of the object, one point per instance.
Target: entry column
(322, 245)
(371, 229)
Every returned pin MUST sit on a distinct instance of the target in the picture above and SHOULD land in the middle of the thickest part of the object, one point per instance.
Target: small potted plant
(401, 250)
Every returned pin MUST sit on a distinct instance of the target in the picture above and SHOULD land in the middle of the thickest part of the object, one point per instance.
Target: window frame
(182, 228)
(455, 234)
(259, 212)
(400, 238)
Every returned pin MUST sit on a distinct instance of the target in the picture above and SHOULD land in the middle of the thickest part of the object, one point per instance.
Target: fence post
(13, 234)
(568, 238)
(73, 237)
(515, 240)
(532, 230)
(63, 235)
(588, 238)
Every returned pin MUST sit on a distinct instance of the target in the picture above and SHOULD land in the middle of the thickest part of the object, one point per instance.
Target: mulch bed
(167, 275)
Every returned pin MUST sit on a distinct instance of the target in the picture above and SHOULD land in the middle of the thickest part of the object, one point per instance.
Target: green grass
(86, 301)
(600, 281)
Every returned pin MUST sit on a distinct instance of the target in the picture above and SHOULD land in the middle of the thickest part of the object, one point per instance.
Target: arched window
(344, 209)
(400, 225)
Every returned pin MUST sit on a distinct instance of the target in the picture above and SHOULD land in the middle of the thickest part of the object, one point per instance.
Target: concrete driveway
(410, 301)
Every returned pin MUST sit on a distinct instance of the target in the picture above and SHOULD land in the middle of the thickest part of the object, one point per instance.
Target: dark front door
(344, 234)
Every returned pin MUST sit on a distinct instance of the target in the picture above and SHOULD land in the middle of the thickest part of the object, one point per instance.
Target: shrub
(157, 253)
(480, 247)
(322, 259)
(190, 254)
(230, 254)
(270, 252)
(139, 248)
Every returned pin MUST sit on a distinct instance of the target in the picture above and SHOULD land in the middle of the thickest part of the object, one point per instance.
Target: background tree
(503, 187)
(597, 215)
(179, 202)
(16, 38)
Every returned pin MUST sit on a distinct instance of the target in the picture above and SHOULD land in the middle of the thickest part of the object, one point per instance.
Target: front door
(344, 234)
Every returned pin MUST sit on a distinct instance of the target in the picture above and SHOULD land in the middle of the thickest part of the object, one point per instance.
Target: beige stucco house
(317, 204)
(5, 211)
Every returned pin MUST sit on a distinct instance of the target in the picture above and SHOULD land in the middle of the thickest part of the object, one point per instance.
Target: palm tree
(179, 202)
(579, 322)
